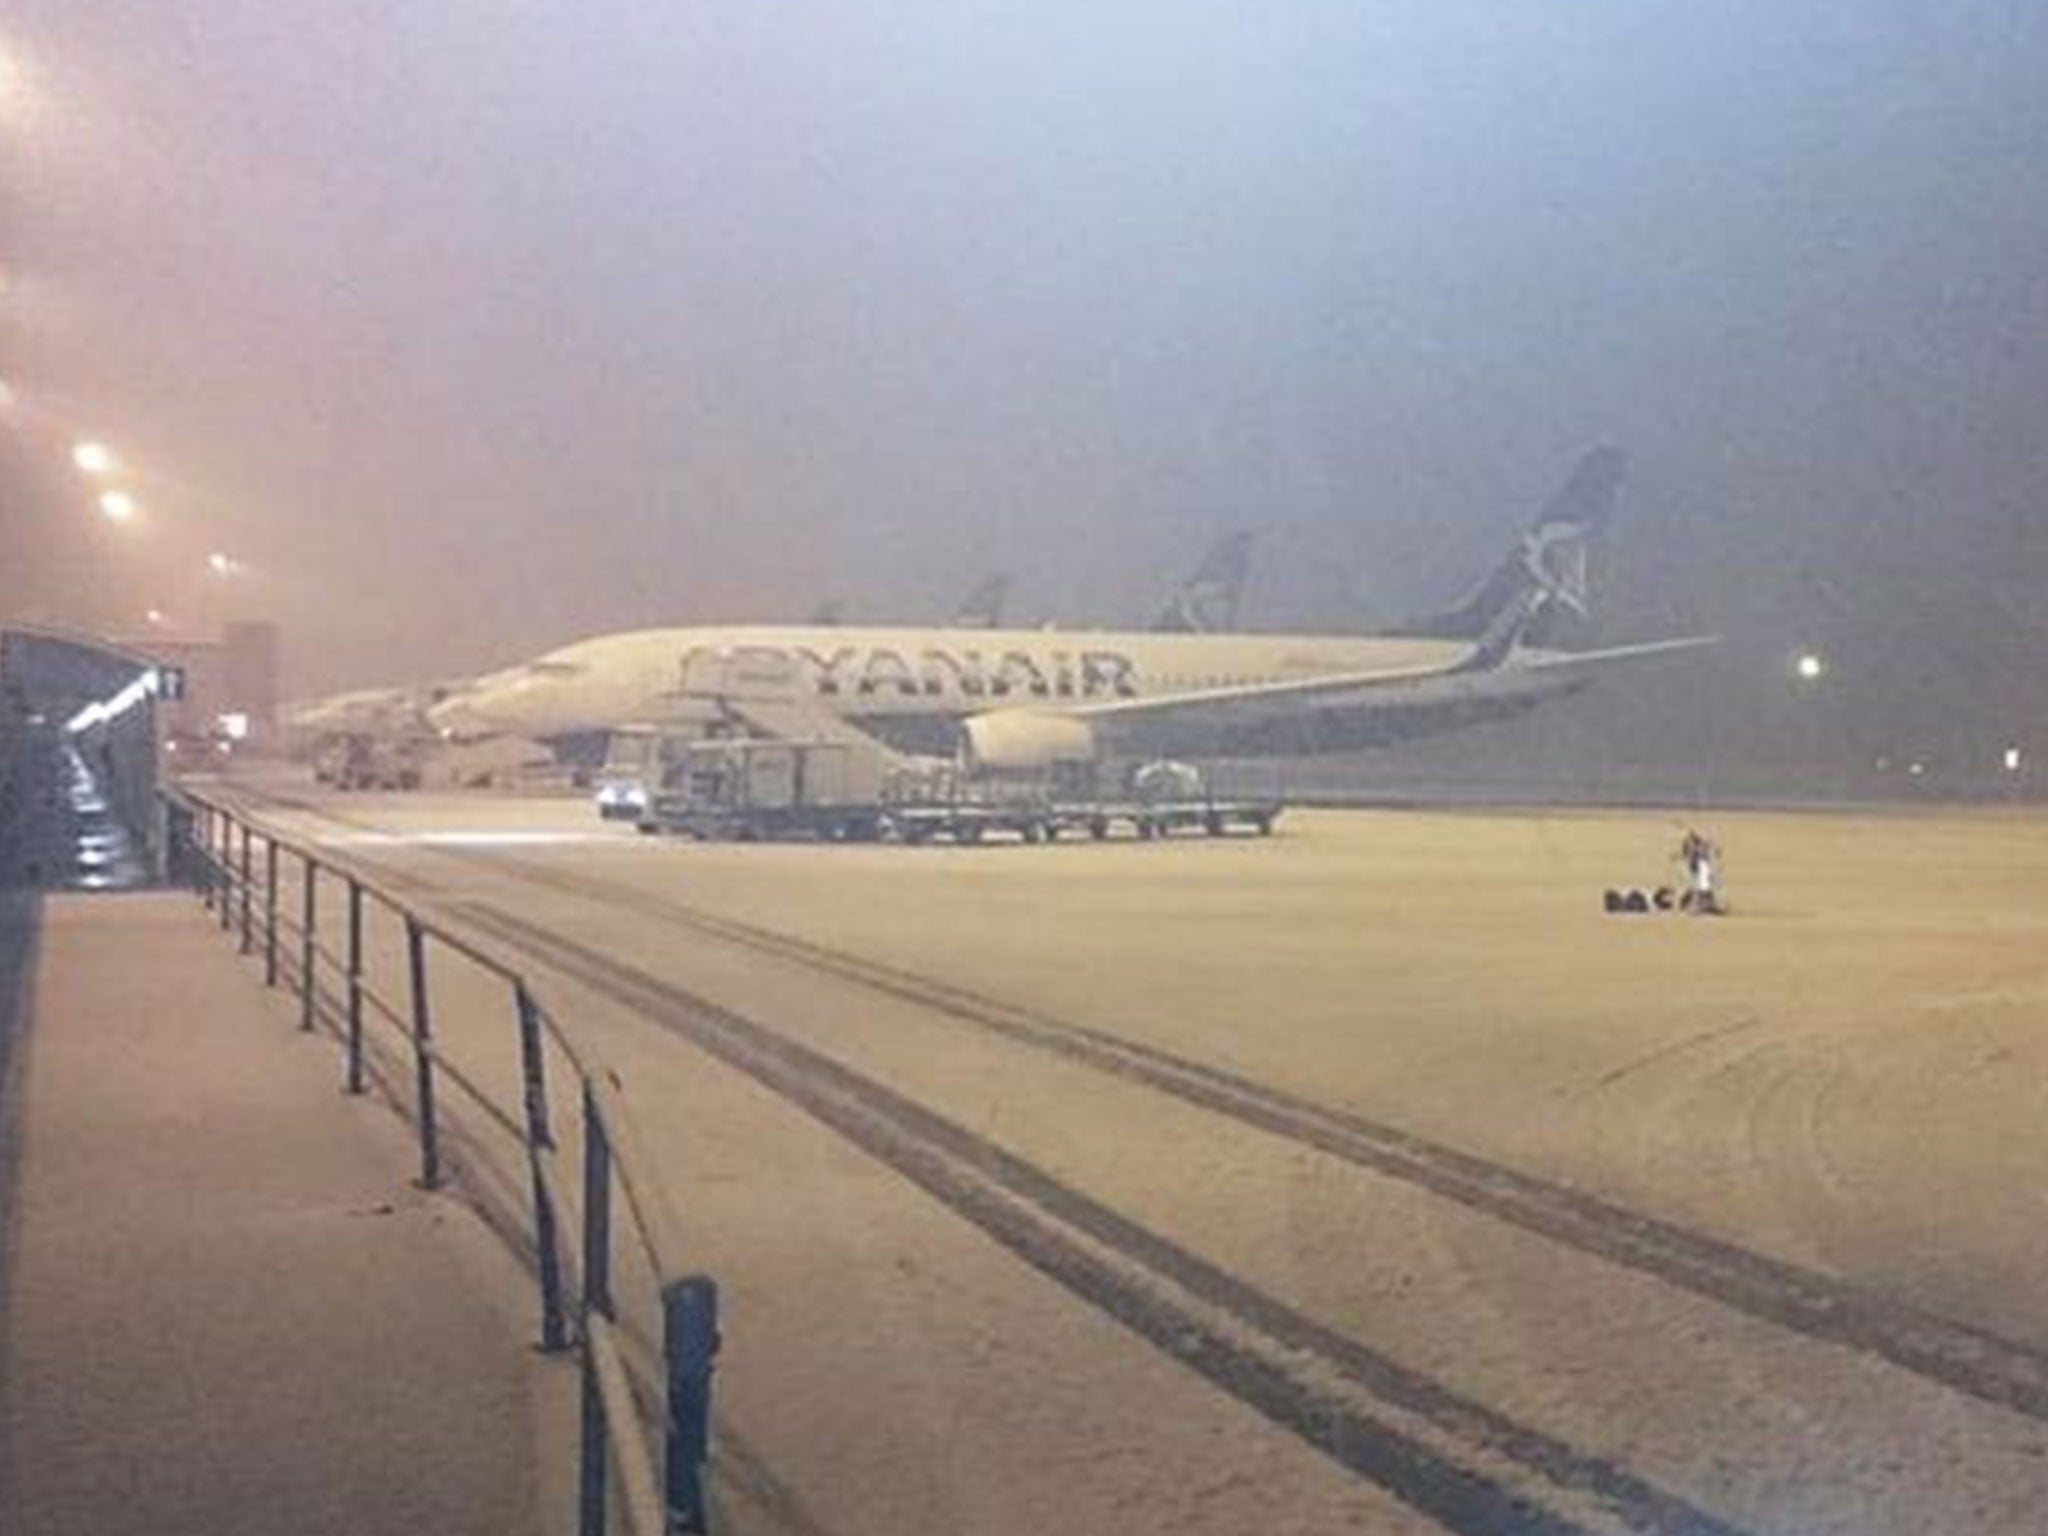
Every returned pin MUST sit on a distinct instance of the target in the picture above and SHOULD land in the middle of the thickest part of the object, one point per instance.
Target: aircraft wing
(1251, 698)
(1386, 703)
(1485, 656)
(1552, 661)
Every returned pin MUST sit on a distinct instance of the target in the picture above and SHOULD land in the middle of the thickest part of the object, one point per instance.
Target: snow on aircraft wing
(1407, 684)
(1287, 691)
(1551, 661)
(1475, 672)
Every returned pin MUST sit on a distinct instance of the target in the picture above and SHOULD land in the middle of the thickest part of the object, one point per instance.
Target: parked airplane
(369, 736)
(361, 710)
(1029, 699)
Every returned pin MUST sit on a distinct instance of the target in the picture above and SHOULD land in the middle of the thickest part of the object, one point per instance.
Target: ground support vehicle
(629, 768)
(750, 788)
(747, 788)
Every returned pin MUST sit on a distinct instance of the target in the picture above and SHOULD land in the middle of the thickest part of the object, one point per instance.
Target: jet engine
(1014, 740)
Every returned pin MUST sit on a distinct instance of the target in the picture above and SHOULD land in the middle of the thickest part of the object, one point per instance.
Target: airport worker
(1700, 858)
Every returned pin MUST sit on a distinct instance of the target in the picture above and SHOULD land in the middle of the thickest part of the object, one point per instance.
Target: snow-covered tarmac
(1370, 1177)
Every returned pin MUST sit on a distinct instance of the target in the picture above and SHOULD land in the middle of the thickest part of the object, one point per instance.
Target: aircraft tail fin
(983, 607)
(1207, 600)
(1551, 558)
(1505, 631)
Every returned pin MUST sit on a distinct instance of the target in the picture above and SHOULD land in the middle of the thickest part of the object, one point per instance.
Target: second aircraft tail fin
(1207, 601)
(983, 607)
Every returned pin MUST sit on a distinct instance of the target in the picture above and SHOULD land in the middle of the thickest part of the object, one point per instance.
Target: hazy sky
(477, 325)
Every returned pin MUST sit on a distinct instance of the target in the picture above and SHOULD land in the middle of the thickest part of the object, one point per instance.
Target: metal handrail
(648, 1199)
(656, 1500)
(385, 1011)
(643, 1504)
(498, 1116)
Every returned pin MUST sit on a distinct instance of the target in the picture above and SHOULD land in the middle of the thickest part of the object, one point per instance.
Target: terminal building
(87, 726)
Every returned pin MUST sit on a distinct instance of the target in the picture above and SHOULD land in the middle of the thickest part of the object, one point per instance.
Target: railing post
(227, 869)
(248, 872)
(204, 838)
(210, 859)
(164, 835)
(270, 910)
(540, 1140)
(597, 1207)
(597, 1298)
(591, 1492)
(309, 920)
(355, 985)
(689, 1316)
(423, 1054)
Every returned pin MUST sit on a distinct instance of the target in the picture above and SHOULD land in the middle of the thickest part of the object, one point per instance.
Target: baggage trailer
(1042, 818)
(970, 821)
(755, 789)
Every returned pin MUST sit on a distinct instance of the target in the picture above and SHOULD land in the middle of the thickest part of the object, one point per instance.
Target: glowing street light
(119, 506)
(1809, 666)
(14, 92)
(220, 564)
(2014, 759)
(94, 458)
(155, 617)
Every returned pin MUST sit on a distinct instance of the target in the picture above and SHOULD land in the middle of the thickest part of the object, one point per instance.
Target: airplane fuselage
(919, 671)
(891, 679)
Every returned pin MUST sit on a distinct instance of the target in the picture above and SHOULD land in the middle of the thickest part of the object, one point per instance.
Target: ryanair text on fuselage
(868, 671)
